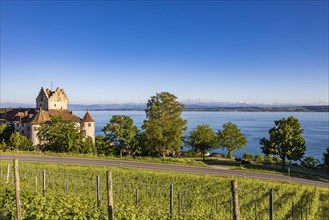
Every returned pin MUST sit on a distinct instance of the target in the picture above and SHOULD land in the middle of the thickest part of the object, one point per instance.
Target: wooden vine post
(109, 195)
(98, 191)
(8, 173)
(17, 190)
(136, 200)
(235, 196)
(271, 204)
(171, 202)
(44, 183)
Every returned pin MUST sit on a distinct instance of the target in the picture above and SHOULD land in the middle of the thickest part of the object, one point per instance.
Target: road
(217, 171)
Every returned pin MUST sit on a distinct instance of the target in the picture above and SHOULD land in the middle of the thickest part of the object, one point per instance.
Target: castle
(49, 103)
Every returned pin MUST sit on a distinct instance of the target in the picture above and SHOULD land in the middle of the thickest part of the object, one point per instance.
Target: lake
(254, 125)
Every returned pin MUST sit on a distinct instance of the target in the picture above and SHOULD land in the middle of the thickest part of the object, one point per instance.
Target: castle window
(89, 124)
(23, 132)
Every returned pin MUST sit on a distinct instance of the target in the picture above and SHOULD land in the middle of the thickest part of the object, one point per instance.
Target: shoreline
(197, 108)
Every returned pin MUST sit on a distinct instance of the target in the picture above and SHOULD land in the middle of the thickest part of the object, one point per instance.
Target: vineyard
(80, 192)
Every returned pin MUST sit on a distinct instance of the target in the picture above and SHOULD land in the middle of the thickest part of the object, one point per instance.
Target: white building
(48, 104)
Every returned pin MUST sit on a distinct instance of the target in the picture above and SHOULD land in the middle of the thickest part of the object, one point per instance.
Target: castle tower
(52, 100)
(40, 117)
(88, 125)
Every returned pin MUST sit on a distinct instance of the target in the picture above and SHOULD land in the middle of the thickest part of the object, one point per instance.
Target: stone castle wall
(89, 128)
(52, 100)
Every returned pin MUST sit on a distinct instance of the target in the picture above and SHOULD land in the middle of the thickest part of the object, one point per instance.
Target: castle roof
(40, 117)
(35, 116)
(65, 114)
(87, 118)
(23, 115)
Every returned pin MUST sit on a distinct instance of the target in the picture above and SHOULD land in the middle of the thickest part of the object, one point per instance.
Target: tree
(326, 159)
(285, 140)
(230, 137)
(163, 126)
(88, 146)
(102, 146)
(26, 144)
(3, 145)
(5, 132)
(60, 135)
(18, 142)
(15, 140)
(121, 131)
(202, 138)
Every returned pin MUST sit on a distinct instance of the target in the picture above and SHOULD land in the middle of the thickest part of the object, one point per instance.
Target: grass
(70, 194)
(190, 161)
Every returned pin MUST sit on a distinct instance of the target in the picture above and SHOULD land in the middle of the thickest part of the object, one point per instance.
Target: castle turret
(39, 118)
(88, 125)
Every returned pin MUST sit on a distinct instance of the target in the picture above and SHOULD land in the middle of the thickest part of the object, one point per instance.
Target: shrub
(259, 158)
(309, 162)
(268, 159)
(276, 159)
(190, 153)
(248, 156)
(3, 145)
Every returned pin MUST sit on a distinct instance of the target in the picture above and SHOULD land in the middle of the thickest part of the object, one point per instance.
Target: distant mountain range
(191, 106)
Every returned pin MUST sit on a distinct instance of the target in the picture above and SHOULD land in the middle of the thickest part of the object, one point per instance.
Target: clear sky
(126, 51)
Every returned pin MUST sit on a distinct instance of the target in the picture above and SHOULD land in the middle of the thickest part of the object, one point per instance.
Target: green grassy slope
(71, 194)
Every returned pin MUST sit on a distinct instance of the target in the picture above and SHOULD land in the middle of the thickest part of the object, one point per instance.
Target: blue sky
(126, 51)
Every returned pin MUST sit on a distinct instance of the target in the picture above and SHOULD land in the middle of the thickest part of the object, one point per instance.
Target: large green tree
(285, 140)
(60, 135)
(121, 131)
(326, 159)
(231, 138)
(163, 127)
(202, 138)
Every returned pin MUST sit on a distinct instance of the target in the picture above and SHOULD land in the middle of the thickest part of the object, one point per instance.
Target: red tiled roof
(40, 117)
(87, 118)
(67, 115)
(35, 116)
(17, 114)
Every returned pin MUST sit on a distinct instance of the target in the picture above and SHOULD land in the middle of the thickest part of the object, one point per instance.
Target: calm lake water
(254, 125)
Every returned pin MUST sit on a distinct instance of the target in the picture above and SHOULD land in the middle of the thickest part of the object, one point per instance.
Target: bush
(3, 145)
(26, 144)
(268, 159)
(248, 157)
(88, 146)
(276, 159)
(259, 158)
(190, 153)
(326, 160)
(309, 162)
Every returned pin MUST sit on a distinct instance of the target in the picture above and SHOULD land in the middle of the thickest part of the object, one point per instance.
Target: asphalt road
(217, 171)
